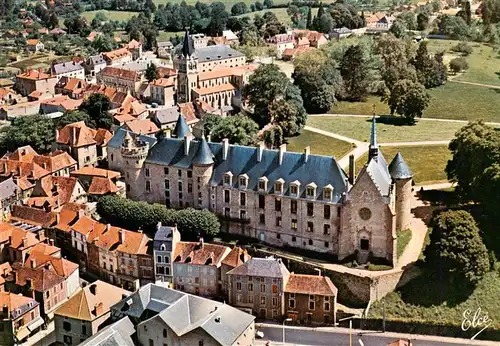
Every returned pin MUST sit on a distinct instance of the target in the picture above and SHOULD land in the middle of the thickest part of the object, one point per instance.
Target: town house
(10, 194)
(16, 243)
(117, 57)
(35, 80)
(119, 78)
(70, 69)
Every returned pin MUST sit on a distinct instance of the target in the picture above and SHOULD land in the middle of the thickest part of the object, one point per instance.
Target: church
(281, 198)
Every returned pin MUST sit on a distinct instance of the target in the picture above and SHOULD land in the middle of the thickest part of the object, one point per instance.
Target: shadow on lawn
(392, 120)
(431, 289)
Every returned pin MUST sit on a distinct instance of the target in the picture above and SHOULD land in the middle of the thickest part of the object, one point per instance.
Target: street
(301, 336)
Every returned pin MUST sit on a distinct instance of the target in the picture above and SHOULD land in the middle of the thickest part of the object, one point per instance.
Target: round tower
(402, 178)
(134, 153)
(203, 165)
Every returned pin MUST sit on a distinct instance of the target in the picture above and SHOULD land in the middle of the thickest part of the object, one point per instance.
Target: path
(403, 144)
(476, 84)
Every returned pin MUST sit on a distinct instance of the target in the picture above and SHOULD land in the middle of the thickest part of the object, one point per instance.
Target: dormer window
(328, 192)
(278, 186)
(263, 184)
(228, 178)
(294, 189)
(311, 190)
(243, 183)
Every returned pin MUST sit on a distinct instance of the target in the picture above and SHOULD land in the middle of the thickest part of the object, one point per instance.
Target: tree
(456, 249)
(475, 147)
(354, 71)
(239, 8)
(324, 23)
(395, 56)
(463, 47)
(409, 99)
(36, 131)
(288, 112)
(431, 72)
(70, 117)
(103, 43)
(53, 21)
(268, 3)
(259, 6)
(453, 26)
(422, 20)
(97, 107)
(77, 25)
(458, 65)
(398, 29)
(239, 129)
(309, 18)
(210, 121)
(467, 12)
(152, 72)
(135, 215)
(321, 10)
(409, 19)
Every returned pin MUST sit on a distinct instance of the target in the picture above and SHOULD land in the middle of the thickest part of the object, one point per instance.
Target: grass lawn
(283, 17)
(429, 299)
(228, 3)
(484, 62)
(451, 101)
(427, 162)
(112, 15)
(359, 128)
(37, 61)
(320, 145)
(404, 238)
(165, 35)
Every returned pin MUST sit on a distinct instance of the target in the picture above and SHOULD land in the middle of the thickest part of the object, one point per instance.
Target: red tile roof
(121, 73)
(102, 186)
(116, 54)
(76, 135)
(215, 89)
(163, 82)
(236, 257)
(32, 42)
(19, 238)
(133, 45)
(102, 137)
(88, 227)
(16, 301)
(42, 278)
(200, 253)
(144, 126)
(96, 172)
(22, 169)
(61, 266)
(310, 284)
(34, 75)
(33, 216)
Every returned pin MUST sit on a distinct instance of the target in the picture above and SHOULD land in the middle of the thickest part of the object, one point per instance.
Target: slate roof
(379, 175)
(322, 170)
(265, 267)
(95, 60)
(117, 140)
(167, 115)
(66, 67)
(187, 45)
(204, 155)
(8, 188)
(399, 168)
(165, 235)
(185, 313)
(116, 334)
(310, 284)
(217, 52)
(181, 127)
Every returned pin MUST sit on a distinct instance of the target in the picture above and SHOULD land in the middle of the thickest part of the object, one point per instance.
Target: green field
(165, 35)
(112, 15)
(427, 298)
(427, 162)
(38, 61)
(228, 3)
(320, 144)
(450, 101)
(359, 128)
(484, 62)
(280, 13)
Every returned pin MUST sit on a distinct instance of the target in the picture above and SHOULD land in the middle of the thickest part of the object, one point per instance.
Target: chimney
(20, 171)
(168, 133)
(98, 309)
(5, 311)
(225, 148)
(14, 276)
(158, 226)
(352, 168)
(282, 153)
(28, 282)
(124, 296)
(51, 242)
(74, 134)
(57, 134)
(81, 213)
(5, 274)
(187, 143)
(93, 289)
(25, 242)
(201, 242)
(5, 167)
(33, 263)
(260, 151)
(108, 227)
(58, 218)
(307, 152)
(121, 233)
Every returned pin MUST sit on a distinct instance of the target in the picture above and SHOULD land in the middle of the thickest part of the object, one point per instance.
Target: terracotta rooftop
(34, 216)
(24, 184)
(225, 72)
(133, 45)
(310, 284)
(92, 301)
(122, 119)
(16, 302)
(399, 343)
(164, 82)
(68, 215)
(134, 108)
(102, 136)
(143, 126)
(116, 54)
(76, 135)
(135, 243)
(96, 172)
(121, 73)
(34, 75)
(236, 257)
(22, 169)
(166, 72)
(200, 253)
(19, 238)
(5, 271)
(42, 278)
(215, 89)
(32, 42)
(73, 85)
(88, 227)
(60, 266)
(52, 162)
(102, 186)
(190, 109)
(45, 249)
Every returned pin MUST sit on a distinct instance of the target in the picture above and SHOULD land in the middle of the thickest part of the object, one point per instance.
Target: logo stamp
(478, 319)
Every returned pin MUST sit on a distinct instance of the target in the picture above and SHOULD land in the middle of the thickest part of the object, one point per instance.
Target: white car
(259, 334)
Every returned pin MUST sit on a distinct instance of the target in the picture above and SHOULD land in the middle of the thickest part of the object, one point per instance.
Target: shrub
(458, 65)
(463, 47)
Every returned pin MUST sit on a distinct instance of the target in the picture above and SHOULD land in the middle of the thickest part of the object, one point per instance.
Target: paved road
(340, 337)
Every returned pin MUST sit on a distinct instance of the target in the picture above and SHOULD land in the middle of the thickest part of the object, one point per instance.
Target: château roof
(204, 155)
(181, 127)
(399, 168)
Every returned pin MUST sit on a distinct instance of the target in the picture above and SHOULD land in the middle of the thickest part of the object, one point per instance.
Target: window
(68, 339)
(67, 326)
(310, 226)
(148, 172)
(365, 244)
(238, 286)
(327, 194)
(250, 287)
(262, 201)
(294, 224)
(310, 241)
(227, 196)
(327, 244)
(294, 238)
(293, 207)
(327, 306)
(190, 174)
(278, 235)
(148, 186)
(243, 198)
(326, 211)
(291, 303)
(310, 209)
(243, 182)
(165, 170)
(278, 187)
(311, 305)
(179, 173)
(190, 188)
(277, 204)
(263, 184)
(243, 214)
(84, 329)
(158, 259)
(227, 212)
(179, 186)
(278, 221)
(227, 178)
(165, 259)
(262, 218)
(275, 288)
(262, 300)
(294, 189)
(151, 342)
(326, 229)
(310, 191)
(250, 299)
(263, 287)
(275, 301)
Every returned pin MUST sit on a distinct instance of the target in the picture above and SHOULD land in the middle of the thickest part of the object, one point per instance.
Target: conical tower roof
(373, 134)
(204, 155)
(399, 168)
(181, 127)
(187, 45)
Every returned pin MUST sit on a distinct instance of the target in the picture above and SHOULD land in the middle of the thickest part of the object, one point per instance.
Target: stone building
(35, 80)
(119, 78)
(281, 198)
(70, 69)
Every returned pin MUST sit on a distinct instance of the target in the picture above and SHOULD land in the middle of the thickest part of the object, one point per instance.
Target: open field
(112, 15)
(165, 35)
(450, 101)
(280, 13)
(38, 61)
(428, 298)
(320, 145)
(484, 62)
(427, 162)
(359, 128)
